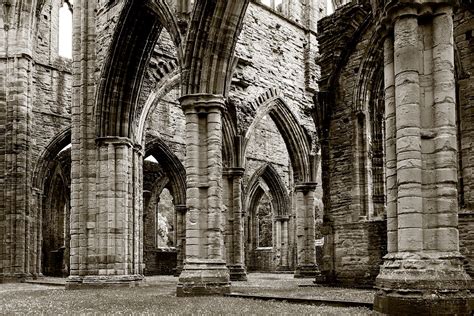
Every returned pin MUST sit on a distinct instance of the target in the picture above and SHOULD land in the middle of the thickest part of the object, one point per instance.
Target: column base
(307, 272)
(177, 271)
(203, 278)
(423, 284)
(103, 281)
(237, 272)
(284, 268)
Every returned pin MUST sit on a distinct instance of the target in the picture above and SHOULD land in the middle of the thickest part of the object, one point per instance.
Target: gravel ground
(157, 297)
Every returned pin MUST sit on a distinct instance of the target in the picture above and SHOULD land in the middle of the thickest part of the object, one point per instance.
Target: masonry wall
(466, 239)
(271, 50)
(354, 244)
(41, 99)
(464, 40)
(274, 51)
(350, 255)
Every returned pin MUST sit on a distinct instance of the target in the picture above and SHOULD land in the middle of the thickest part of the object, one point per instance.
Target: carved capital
(232, 172)
(202, 103)
(306, 187)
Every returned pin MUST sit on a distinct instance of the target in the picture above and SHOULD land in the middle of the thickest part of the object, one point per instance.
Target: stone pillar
(38, 207)
(282, 233)
(305, 232)
(114, 230)
(180, 237)
(235, 255)
(423, 271)
(16, 105)
(390, 147)
(205, 271)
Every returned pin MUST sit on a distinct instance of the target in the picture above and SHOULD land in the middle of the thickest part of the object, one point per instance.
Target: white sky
(330, 8)
(151, 158)
(65, 31)
(65, 148)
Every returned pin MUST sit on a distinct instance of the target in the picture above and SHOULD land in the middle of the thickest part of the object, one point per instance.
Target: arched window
(165, 228)
(265, 222)
(276, 5)
(65, 29)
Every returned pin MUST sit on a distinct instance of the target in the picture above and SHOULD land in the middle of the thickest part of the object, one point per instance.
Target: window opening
(265, 218)
(65, 29)
(165, 228)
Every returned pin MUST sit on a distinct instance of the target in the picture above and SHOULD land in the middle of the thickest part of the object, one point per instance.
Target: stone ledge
(237, 272)
(102, 281)
(203, 278)
(309, 301)
(308, 272)
(396, 304)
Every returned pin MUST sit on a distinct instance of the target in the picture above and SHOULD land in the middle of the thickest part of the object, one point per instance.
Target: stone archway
(55, 218)
(51, 202)
(108, 164)
(173, 178)
(304, 162)
(265, 183)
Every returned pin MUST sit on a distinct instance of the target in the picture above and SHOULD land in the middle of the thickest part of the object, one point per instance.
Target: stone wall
(354, 242)
(265, 63)
(346, 60)
(359, 248)
(38, 98)
(466, 239)
(160, 262)
(464, 40)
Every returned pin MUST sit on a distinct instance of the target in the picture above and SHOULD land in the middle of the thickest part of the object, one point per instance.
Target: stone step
(307, 301)
(50, 282)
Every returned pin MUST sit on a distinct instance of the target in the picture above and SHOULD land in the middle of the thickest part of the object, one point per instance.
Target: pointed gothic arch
(212, 36)
(139, 27)
(52, 169)
(297, 139)
(266, 182)
(280, 198)
(369, 134)
(172, 167)
(45, 162)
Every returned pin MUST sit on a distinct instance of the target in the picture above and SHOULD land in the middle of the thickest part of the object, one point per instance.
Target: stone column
(282, 233)
(390, 147)
(114, 230)
(235, 256)
(38, 207)
(423, 271)
(205, 271)
(180, 237)
(16, 105)
(305, 231)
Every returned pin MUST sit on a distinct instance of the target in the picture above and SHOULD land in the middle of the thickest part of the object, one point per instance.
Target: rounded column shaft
(445, 142)
(408, 144)
(390, 145)
(305, 231)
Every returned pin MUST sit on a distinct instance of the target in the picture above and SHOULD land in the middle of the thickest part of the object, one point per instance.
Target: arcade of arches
(208, 139)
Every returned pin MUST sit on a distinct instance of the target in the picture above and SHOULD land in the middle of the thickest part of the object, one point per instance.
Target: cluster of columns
(423, 271)
(180, 216)
(205, 271)
(106, 241)
(235, 225)
(282, 241)
(305, 232)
